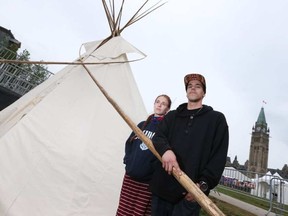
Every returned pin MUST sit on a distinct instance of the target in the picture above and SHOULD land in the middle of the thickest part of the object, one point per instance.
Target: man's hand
(169, 162)
(189, 197)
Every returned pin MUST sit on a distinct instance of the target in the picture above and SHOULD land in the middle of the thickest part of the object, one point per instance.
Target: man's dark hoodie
(199, 139)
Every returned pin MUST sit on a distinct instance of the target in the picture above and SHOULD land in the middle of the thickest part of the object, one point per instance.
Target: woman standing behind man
(135, 198)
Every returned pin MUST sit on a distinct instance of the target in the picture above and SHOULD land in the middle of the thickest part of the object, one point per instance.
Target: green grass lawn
(231, 210)
(227, 209)
(256, 201)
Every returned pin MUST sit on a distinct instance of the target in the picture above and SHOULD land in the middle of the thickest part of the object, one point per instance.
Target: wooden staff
(61, 63)
(182, 178)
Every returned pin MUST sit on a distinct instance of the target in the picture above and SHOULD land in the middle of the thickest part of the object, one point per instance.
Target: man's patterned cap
(198, 77)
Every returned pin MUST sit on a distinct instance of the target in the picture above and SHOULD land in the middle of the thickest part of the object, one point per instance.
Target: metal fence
(272, 188)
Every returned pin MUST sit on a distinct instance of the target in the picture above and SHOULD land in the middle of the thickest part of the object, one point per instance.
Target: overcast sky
(240, 46)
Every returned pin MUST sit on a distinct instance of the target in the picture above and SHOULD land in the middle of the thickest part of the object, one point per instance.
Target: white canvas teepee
(62, 144)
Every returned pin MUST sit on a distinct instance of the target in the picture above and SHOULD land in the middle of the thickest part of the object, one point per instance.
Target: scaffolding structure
(17, 79)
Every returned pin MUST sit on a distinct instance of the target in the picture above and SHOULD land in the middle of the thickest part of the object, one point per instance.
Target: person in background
(135, 198)
(193, 139)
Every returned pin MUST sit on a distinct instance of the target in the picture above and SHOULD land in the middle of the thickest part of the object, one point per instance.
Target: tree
(19, 77)
(285, 171)
(235, 163)
(228, 162)
(35, 74)
(246, 164)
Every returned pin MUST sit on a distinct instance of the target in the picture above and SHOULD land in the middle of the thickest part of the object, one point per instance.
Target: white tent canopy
(62, 144)
(234, 173)
(269, 184)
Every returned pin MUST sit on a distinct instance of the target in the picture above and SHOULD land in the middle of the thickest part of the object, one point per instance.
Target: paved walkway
(243, 205)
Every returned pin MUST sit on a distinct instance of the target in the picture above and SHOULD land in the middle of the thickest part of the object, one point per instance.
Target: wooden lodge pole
(182, 178)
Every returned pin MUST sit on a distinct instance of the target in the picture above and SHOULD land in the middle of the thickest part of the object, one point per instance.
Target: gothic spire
(261, 118)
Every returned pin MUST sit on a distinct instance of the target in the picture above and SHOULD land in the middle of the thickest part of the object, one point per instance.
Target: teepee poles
(182, 178)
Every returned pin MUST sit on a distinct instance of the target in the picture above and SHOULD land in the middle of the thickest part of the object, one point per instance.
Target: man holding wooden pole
(193, 139)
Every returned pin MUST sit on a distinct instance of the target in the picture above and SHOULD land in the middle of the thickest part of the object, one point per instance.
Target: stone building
(259, 147)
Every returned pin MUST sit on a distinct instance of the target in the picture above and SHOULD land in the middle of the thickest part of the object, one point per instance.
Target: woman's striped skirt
(135, 198)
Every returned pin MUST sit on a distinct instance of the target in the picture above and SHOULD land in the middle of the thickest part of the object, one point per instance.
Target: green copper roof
(261, 118)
